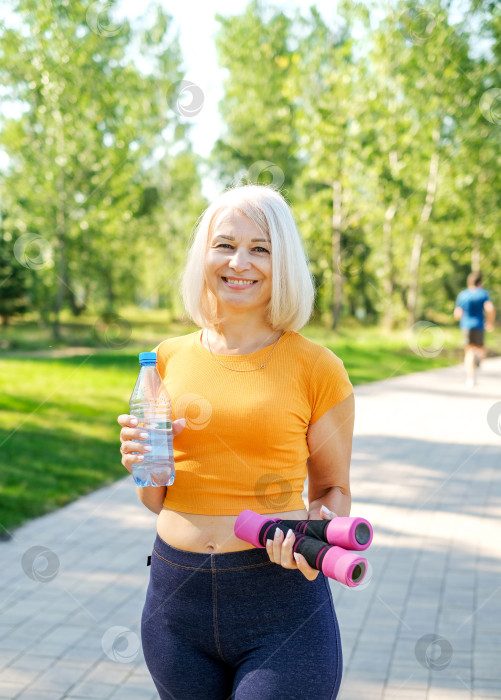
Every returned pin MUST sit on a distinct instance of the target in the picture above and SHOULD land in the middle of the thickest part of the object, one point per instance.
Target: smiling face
(238, 264)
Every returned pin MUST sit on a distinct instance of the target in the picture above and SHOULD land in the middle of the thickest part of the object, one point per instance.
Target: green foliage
(393, 107)
(258, 108)
(94, 154)
(382, 127)
(13, 282)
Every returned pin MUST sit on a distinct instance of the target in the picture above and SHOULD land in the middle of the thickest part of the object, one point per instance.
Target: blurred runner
(475, 313)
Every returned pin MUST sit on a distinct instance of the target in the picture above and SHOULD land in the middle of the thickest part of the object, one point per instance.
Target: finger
(273, 546)
(125, 420)
(327, 514)
(141, 434)
(177, 426)
(133, 434)
(269, 549)
(278, 541)
(130, 446)
(286, 558)
(309, 572)
(129, 461)
(277, 546)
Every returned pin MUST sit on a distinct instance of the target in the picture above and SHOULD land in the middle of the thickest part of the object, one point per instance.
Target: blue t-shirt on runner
(472, 302)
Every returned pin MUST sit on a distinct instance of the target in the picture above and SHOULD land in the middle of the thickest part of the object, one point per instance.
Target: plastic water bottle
(150, 404)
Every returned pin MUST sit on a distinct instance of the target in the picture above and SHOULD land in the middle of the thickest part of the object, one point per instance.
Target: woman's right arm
(150, 496)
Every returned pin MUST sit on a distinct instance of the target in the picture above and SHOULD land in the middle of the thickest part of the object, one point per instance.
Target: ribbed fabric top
(244, 444)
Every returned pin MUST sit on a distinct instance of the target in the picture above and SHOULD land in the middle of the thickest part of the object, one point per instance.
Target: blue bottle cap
(147, 358)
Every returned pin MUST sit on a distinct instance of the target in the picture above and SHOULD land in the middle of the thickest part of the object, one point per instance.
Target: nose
(239, 260)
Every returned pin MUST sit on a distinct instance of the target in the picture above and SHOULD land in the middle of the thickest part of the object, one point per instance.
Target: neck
(241, 337)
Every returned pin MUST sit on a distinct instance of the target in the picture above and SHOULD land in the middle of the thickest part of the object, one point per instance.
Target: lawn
(58, 429)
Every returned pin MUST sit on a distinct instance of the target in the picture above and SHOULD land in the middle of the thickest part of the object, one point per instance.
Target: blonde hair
(292, 286)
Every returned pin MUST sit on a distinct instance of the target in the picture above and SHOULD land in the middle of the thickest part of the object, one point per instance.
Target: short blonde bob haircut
(292, 286)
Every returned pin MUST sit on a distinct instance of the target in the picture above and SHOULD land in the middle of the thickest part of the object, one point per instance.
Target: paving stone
(17, 676)
(449, 694)
(353, 688)
(7, 656)
(125, 693)
(398, 693)
(98, 691)
(108, 672)
(39, 695)
(61, 675)
(11, 690)
(488, 686)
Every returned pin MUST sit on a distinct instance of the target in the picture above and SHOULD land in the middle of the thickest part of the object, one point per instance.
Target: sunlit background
(380, 123)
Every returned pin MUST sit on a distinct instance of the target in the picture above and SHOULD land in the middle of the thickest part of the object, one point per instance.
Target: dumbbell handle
(349, 533)
(335, 562)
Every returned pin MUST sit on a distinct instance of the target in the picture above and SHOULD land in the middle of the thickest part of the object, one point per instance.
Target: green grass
(58, 429)
(133, 328)
(372, 354)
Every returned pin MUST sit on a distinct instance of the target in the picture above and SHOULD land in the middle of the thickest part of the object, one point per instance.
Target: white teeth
(243, 283)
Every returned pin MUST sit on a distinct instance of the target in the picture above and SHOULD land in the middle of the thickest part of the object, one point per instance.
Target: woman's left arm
(329, 443)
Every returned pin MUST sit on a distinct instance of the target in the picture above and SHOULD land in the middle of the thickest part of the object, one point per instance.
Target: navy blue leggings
(236, 626)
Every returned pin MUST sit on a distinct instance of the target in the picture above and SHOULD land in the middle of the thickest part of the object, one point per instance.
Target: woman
(257, 407)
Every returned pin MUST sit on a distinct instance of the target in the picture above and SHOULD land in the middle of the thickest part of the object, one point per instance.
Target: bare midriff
(208, 534)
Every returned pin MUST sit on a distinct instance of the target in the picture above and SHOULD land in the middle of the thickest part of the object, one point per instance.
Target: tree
(13, 280)
(83, 151)
(389, 150)
(258, 143)
(329, 214)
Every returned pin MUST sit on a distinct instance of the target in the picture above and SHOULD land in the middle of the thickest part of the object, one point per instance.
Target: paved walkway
(426, 625)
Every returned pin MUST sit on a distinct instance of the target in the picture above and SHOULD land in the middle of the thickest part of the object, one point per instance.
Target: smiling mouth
(239, 282)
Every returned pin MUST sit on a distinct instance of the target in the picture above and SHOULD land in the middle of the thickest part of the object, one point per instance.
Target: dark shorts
(473, 336)
(235, 625)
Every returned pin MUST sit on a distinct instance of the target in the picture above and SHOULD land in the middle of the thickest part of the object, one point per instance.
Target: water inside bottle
(159, 476)
(157, 468)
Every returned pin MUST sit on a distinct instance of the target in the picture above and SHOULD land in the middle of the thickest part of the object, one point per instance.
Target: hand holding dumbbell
(334, 561)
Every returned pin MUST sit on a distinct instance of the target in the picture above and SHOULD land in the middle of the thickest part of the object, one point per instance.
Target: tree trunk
(431, 189)
(337, 218)
(61, 271)
(475, 255)
(110, 293)
(61, 232)
(414, 279)
(388, 281)
(76, 307)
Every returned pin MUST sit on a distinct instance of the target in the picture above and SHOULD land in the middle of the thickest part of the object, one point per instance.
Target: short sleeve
(329, 384)
(486, 296)
(459, 300)
(161, 360)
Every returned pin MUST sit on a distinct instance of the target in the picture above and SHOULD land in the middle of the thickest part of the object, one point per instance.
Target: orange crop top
(244, 444)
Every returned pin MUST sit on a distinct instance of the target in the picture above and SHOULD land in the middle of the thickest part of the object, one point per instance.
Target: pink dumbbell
(348, 533)
(335, 562)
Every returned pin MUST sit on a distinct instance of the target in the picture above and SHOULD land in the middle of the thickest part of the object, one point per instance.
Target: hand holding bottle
(134, 440)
